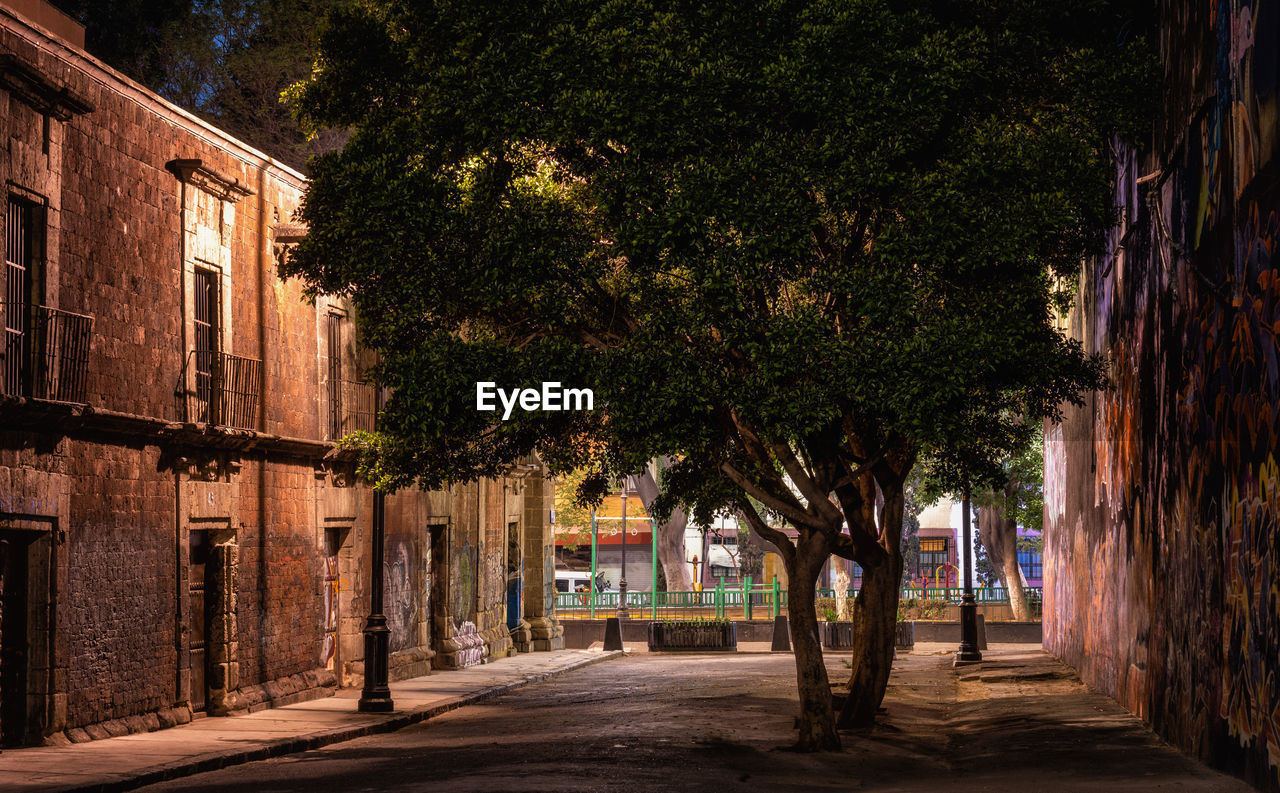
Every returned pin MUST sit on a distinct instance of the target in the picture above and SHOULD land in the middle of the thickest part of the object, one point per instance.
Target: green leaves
(829, 228)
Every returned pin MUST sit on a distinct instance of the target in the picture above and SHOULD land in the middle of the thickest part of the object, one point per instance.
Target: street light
(622, 583)
(968, 608)
(375, 697)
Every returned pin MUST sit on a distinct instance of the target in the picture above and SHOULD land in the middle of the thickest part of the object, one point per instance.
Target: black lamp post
(376, 695)
(622, 583)
(968, 608)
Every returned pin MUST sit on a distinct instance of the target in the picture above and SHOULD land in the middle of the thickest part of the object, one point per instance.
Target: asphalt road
(721, 723)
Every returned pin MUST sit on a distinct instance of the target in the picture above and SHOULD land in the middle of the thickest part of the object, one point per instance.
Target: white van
(573, 580)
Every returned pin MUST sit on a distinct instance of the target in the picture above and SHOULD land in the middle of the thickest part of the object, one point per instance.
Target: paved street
(125, 762)
(717, 723)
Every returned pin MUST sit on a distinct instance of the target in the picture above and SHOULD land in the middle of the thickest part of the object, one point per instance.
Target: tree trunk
(999, 536)
(1013, 573)
(875, 617)
(677, 570)
(817, 719)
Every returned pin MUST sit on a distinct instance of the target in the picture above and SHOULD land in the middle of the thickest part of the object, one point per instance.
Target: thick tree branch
(853, 474)
(766, 532)
(819, 503)
(791, 511)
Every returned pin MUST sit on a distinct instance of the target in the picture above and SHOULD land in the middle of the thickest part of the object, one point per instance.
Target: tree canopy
(226, 60)
(792, 245)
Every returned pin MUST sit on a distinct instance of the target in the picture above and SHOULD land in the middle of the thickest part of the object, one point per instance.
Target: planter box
(839, 635)
(698, 637)
(836, 635)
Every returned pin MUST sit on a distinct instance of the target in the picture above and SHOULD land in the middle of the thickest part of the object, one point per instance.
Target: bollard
(612, 634)
(781, 634)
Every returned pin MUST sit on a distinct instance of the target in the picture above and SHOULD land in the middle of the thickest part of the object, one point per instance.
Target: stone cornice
(194, 172)
(40, 91)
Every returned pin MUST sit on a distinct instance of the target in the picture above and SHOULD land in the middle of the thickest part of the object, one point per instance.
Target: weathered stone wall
(111, 498)
(1162, 495)
(120, 563)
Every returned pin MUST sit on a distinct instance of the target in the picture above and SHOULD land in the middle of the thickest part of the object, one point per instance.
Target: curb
(396, 720)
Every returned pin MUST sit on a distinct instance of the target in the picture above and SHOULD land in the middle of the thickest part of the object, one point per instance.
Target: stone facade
(1162, 495)
(178, 532)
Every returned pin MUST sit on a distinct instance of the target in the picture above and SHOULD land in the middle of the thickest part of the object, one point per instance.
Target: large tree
(789, 244)
(228, 61)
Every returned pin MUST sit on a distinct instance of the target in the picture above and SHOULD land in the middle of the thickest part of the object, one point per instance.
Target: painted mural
(1162, 496)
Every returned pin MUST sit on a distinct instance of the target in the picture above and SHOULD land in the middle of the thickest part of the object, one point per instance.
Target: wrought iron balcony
(46, 352)
(353, 407)
(221, 389)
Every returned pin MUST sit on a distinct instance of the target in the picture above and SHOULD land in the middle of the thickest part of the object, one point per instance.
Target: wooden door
(198, 615)
(14, 639)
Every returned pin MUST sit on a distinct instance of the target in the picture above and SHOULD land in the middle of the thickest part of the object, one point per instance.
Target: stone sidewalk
(209, 743)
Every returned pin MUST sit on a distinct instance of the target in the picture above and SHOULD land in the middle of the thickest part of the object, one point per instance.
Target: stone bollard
(781, 634)
(612, 634)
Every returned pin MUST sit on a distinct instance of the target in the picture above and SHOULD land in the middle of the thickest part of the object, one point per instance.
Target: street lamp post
(375, 697)
(968, 608)
(622, 583)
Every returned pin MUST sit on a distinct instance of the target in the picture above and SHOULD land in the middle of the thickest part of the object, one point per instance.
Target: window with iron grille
(334, 332)
(19, 298)
(206, 339)
(44, 353)
(352, 403)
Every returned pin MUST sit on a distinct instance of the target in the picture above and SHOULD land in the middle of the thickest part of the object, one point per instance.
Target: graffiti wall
(400, 597)
(1162, 565)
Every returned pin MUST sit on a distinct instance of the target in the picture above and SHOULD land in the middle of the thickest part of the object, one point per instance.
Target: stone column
(539, 564)
(223, 646)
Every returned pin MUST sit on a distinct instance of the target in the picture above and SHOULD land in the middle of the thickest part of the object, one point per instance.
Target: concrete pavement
(206, 744)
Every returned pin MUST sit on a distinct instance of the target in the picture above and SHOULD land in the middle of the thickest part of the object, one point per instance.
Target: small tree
(790, 246)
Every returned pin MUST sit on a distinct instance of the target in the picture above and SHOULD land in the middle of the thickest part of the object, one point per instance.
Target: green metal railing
(745, 601)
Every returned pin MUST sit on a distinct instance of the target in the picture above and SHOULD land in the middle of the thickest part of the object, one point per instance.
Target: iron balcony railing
(46, 352)
(221, 389)
(353, 407)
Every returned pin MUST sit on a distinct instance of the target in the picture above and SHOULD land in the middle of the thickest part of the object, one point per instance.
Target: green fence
(751, 601)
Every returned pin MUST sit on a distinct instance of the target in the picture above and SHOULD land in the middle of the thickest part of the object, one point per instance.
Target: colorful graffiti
(462, 586)
(401, 602)
(329, 642)
(1162, 495)
(471, 646)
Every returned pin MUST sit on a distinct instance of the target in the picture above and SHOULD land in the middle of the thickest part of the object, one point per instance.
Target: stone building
(1162, 494)
(178, 532)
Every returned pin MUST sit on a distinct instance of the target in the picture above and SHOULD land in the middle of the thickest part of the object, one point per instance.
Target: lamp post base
(623, 614)
(968, 652)
(375, 697)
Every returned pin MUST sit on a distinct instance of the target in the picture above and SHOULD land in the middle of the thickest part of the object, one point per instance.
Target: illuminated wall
(1162, 557)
